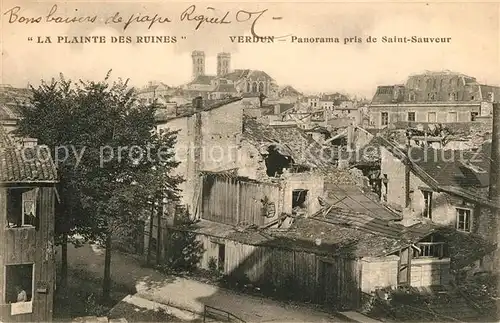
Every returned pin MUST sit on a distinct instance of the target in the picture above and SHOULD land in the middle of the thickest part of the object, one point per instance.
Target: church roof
(228, 88)
(203, 79)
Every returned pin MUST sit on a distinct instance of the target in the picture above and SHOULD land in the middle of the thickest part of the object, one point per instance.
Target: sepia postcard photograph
(272, 161)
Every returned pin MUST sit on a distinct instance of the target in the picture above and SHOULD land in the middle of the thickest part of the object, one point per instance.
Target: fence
(219, 315)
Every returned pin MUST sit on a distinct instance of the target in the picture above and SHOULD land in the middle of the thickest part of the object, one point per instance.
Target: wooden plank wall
(235, 202)
(27, 245)
(300, 272)
(219, 200)
(251, 206)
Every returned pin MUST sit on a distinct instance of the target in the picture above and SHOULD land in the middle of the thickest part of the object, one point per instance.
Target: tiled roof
(203, 79)
(334, 239)
(452, 175)
(348, 234)
(237, 74)
(355, 199)
(288, 90)
(152, 88)
(10, 99)
(336, 98)
(259, 74)
(18, 165)
(285, 107)
(453, 167)
(226, 88)
(8, 112)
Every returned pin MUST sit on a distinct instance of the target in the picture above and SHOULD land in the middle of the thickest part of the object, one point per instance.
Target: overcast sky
(355, 68)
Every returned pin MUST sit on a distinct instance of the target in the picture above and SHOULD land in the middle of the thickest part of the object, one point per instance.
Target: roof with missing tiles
(462, 173)
(22, 165)
(356, 199)
(348, 234)
(291, 140)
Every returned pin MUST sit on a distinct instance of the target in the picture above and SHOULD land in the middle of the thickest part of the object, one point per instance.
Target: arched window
(248, 87)
(261, 87)
(254, 87)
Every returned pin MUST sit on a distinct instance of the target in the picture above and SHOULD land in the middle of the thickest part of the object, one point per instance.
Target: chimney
(262, 97)
(495, 155)
(29, 142)
(277, 109)
(198, 103)
(350, 135)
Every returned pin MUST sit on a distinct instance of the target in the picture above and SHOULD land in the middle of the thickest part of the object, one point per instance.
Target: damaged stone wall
(251, 162)
(359, 178)
(485, 227)
(440, 203)
(312, 182)
(444, 206)
(206, 141)
(395, 170)
(221, 129)
(183, 125)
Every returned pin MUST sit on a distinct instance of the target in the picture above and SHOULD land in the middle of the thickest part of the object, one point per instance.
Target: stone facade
(379, 272)
(432, 97)
(198, 59)
(443, 205)
(206, 140)
(311, 182)
(432, 113)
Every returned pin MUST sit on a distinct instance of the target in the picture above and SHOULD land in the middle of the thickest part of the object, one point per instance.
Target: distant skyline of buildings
(224, 61)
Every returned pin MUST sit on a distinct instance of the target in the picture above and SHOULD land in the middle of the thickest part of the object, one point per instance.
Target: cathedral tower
(198, 63)
(223, 64)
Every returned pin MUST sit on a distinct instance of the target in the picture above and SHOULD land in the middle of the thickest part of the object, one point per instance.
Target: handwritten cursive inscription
(190, 15)
(200, 17)
(137, 18)
(243, 16)
(14, 16)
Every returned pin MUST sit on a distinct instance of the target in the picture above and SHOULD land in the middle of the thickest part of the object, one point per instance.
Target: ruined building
(433, 97)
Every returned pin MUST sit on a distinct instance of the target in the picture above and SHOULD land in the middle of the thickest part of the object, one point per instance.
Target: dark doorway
(299, 198)
(327, 279)
(222, 257)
